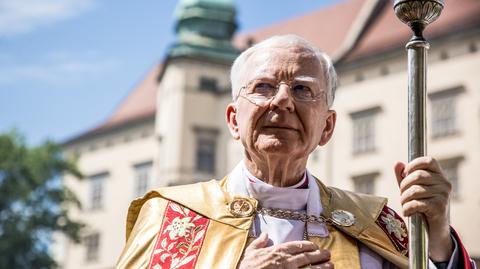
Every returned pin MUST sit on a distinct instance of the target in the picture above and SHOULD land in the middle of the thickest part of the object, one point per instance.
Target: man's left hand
(425, 189)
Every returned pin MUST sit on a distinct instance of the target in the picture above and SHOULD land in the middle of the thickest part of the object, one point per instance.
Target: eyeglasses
(260, 92)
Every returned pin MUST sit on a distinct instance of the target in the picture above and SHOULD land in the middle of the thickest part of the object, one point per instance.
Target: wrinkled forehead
(283, 63)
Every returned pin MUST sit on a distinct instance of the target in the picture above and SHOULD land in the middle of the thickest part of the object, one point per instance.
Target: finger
(435, 210)
(398, 169)
(413, 207)
(429, 207)
(296, 247)
(420, 192)
(425, 163)
(259, 242)
(419, 177)
(318, 256)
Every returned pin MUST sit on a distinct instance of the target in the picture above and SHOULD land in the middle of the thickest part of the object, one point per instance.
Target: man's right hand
(289, 255)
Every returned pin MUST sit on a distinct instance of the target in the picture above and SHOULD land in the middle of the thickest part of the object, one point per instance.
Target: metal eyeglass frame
(262, 102)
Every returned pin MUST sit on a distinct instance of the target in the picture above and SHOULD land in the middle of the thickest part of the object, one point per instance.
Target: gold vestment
(226, 236)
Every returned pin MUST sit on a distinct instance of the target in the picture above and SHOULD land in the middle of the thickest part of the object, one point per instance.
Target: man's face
(282, 125)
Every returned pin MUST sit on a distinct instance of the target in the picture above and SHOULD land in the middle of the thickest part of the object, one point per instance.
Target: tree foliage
(33, 202)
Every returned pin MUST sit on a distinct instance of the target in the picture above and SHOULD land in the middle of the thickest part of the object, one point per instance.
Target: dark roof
(327, 27)
(388, 33)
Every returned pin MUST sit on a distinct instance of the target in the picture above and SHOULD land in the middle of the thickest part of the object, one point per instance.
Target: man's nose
(283, 99)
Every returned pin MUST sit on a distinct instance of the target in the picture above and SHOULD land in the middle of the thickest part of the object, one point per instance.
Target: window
(206, 149)
(142, 178)
(444, 113)
(96, 190)
(450, 169)
(208, 84)
(364, 130)
(365, 183)
(92, 246)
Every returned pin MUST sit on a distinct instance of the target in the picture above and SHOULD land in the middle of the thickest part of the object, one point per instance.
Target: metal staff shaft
(417, 146)
(417, 14)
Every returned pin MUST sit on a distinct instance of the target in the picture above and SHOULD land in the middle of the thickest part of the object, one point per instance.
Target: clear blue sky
(66, 64)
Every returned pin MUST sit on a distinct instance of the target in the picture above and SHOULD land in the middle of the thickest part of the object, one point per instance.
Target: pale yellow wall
(463, 71)
(389, 95)
(118, 190)
(168, 122)
(182, 107)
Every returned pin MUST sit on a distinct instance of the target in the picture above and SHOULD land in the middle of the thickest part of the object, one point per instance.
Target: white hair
(285, 41)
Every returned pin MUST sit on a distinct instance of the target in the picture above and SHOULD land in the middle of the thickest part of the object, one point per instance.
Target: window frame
(447, 99)
(140, 169)
(370, 177)
(208, 84)
(92, 251)
(97, 190)
(364, 130)
(455, 164)
(205, 136)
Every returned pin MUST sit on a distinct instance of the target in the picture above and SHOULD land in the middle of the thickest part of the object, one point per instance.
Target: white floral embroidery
(183, 234)
(394, 226)
(179, 227)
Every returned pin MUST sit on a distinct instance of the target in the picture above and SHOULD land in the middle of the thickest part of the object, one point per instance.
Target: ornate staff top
(417, 14)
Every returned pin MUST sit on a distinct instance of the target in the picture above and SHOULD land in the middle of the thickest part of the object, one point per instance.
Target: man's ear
(231, 114)
(329, 127)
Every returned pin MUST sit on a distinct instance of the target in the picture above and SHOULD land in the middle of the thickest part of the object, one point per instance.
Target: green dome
(214, 3)
(206, 28)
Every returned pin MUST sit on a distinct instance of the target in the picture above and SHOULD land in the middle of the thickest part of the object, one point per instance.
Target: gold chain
(292, 215)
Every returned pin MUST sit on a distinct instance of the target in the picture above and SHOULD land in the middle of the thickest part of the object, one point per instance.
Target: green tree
(33, 202)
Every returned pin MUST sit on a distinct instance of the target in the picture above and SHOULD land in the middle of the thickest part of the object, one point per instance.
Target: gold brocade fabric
(142, 237)
(339, 244)
(226, 235)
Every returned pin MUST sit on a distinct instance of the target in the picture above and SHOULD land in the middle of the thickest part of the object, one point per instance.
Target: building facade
(171, 129)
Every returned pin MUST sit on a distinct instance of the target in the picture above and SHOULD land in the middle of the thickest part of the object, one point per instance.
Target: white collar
(276, 197)
(236, 184)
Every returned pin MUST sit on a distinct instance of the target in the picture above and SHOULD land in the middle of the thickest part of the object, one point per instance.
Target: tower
(193, 92)
(205, 29)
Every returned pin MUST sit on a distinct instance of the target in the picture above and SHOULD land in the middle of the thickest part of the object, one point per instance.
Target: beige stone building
(171, 128)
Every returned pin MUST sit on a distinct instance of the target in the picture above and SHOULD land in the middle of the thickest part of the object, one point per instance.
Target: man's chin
(277, 146)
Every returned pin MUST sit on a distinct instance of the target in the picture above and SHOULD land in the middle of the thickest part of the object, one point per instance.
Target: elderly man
(270, 212)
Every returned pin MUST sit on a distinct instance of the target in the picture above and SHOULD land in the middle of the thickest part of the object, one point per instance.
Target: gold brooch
(241, 207)
(342, 218)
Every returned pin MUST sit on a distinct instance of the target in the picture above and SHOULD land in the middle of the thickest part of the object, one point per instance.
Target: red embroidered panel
(392, 224)
(179, 239)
